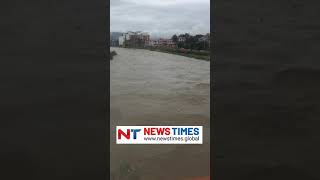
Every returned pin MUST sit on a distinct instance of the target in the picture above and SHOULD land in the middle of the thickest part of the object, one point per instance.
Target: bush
(203, 53)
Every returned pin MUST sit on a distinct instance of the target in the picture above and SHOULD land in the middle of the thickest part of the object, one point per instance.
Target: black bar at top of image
(266, 90)
(54, 90)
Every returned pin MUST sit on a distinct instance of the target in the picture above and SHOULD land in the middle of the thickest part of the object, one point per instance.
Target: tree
(174, 38)
(189, 41)
(198, 36)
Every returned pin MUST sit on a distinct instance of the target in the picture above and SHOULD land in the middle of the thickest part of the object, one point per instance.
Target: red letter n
(121, 133)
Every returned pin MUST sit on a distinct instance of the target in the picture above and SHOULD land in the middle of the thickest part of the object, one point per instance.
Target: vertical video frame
(160, 89)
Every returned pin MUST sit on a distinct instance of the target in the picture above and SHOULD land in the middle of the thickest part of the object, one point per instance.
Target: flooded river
(153, 88)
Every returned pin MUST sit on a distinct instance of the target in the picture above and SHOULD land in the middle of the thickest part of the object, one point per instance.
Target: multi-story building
(134, 39)
(114, 43)
(166, 43)
(153, 43)
(114, 38)
(121, 41)
(162, 43)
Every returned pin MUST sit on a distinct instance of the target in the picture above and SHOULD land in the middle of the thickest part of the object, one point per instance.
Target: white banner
(159, 135)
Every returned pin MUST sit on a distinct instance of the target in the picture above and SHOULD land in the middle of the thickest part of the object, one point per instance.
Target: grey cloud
(161, 18)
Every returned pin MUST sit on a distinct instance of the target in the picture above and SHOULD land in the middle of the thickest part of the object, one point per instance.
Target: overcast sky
(161, 18)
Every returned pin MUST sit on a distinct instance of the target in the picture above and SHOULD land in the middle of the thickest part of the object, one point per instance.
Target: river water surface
(154, 88)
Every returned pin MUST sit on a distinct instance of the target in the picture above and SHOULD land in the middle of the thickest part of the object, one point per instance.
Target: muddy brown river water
(154, 88)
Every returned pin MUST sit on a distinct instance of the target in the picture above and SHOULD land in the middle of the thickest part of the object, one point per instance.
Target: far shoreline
(191, 54)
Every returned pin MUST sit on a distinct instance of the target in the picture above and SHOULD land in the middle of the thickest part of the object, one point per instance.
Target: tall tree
(174, 38)
(188, 42)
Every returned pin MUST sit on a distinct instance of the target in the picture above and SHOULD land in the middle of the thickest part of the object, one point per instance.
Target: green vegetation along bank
(203, 55)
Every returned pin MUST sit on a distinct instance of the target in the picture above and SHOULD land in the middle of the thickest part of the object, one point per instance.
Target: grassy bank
(202, 55)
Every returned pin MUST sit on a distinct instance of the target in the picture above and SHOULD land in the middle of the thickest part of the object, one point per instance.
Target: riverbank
(201, 55)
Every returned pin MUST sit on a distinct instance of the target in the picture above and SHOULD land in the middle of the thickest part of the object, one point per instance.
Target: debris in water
(112, 53)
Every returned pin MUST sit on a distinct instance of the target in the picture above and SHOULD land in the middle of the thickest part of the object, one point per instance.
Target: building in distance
(136, 39)
(114, 38)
